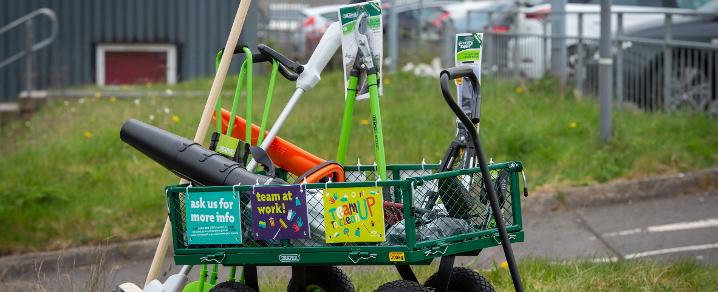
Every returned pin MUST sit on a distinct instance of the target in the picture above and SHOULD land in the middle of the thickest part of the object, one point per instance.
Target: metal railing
(650, 73)
(31, 46)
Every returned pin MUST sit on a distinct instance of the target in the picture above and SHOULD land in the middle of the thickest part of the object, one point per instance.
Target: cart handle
(461, 72)
(465, 71)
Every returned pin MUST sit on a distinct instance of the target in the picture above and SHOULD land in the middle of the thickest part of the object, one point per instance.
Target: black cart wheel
(231, 287)
(463, 279)
(324, 278)
(401, 286)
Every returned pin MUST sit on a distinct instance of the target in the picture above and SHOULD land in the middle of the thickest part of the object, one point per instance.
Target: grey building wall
(198, 28)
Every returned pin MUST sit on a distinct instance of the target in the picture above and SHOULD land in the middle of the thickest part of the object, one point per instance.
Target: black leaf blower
(188, 159)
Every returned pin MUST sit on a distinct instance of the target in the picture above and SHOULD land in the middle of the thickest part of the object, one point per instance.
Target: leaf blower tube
(466, 71)
(188, 159)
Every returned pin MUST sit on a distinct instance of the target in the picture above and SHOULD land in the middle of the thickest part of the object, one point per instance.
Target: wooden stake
(203, 126)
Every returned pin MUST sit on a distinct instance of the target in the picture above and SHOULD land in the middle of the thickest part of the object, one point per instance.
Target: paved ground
(663, 229)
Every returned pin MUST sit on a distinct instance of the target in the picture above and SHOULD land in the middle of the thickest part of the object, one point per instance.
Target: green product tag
(213, 218)
(227, 145)
(468, 47)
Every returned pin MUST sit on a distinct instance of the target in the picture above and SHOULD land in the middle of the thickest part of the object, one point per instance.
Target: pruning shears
(363, 62)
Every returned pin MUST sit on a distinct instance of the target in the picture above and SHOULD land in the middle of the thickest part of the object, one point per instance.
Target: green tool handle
(202, 278)
(268, 102)
(347, 119)
(248, 128)
(237, 96)
(232, 273)
(213, 276)
(218, 106)
(376, 123)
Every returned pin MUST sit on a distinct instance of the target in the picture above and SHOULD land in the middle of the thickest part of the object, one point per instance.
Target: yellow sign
(354, 215)
(397, 256)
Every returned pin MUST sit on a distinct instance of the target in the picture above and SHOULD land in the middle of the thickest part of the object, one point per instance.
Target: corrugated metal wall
(197, 27)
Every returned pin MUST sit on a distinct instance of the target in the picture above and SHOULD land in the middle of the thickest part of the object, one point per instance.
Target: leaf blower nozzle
(188, 159)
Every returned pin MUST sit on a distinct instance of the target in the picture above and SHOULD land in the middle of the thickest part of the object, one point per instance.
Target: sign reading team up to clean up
(213, 218)
(354, 215)
(279, 212)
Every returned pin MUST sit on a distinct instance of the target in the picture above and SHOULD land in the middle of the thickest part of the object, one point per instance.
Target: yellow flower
(175, 119)
(387, 81)
(98, 94)
(504, 265)
(572, 125)
(519, 90)
(113, 99)
(87, 134)
(364, 122)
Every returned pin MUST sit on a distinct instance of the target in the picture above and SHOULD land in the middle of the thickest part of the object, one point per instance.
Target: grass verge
(545, 275)
(67, 179)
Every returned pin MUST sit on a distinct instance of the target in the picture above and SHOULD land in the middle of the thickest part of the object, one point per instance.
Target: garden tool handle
(291, 65)
(288, 68)
(444, 78)
(462, 71)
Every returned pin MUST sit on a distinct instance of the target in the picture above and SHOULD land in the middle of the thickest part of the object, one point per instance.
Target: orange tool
(287, 155)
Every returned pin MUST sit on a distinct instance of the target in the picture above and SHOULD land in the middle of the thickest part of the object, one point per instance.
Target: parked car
(280, 26)
(693, 72)
(423, 21)
(534, 14)
(315, 22)
(501, 19)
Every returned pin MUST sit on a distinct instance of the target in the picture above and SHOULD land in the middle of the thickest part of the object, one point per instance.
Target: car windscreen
(332, 16)
(710, 7)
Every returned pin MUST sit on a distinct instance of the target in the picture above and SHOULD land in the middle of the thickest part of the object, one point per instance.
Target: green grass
(67, 179)
(544, 275)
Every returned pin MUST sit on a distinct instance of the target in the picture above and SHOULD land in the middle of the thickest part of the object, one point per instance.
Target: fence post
(619, 61)
(605, 73)
(421, 18)
(667, 61)
(393, 38)
(544, 46)
(29, 43)
(515, 51)
(579, 69)
(489, 45)
(449, 39)
(558, 40)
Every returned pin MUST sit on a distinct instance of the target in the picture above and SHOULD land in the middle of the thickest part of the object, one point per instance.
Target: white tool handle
(327, 47)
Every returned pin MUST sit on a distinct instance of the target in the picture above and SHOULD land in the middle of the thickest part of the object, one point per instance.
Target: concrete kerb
(623, 191)
(77, 257)
(570, 198)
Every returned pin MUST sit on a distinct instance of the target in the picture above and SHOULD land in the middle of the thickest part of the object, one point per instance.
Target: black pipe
(465, 71)
(188, 159)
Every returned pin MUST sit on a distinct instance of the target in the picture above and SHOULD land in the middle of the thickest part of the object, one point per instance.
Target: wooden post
(203, 126)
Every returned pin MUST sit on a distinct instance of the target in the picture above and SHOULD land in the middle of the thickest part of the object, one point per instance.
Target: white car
(315, 22)
(478, 11)
(533, 57)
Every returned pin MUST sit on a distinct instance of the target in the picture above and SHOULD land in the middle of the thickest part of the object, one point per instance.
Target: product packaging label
(362, 32)
(227, 145)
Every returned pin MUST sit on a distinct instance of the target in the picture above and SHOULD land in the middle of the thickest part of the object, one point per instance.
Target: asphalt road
(665, 229)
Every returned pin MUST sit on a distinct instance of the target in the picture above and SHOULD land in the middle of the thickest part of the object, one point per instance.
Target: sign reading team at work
(354, 215)
(279, 212)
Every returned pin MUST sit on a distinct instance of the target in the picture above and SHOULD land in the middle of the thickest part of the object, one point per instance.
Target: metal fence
(649, 73)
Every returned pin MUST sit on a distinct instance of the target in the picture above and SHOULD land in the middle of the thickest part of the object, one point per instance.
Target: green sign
(213, 218)
(468, 47)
